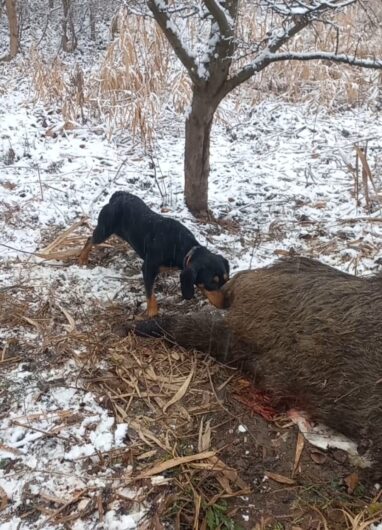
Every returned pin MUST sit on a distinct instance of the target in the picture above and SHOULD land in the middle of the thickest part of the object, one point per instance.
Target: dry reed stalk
(144, 378)
(362, 520)
(69, 243)
(139, 77)
(327, 84)
(134, 77)
(367, 176)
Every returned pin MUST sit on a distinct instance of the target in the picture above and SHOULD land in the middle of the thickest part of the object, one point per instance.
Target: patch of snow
(113, 521)
(38, 430)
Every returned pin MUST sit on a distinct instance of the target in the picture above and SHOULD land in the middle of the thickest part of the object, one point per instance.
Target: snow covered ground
(280, 180)
(279, 170)
(44, 441)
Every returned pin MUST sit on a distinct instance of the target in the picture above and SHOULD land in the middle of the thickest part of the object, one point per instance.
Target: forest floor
(101, 430)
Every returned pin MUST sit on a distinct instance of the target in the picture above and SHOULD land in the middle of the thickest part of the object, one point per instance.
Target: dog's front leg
(150, 272)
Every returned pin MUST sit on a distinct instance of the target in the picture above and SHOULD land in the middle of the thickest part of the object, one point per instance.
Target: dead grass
(139, 75)
(67, 245)
(356, 31)
(135, 80)
(168, 397)
(173, 401)
(56, 84)
(133, 77)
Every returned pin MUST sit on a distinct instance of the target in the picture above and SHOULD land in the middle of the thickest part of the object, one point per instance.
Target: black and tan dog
(308, 333)
(163, 243)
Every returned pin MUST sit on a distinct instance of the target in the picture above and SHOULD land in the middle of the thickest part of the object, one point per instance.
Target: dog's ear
(216, 298)
(226, 265)
(187, 280)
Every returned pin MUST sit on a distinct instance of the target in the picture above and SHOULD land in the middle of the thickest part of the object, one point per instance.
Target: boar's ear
(187, 280)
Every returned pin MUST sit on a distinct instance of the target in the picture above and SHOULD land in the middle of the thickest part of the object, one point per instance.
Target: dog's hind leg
(84, 255)
(103, 230)
(150, 272)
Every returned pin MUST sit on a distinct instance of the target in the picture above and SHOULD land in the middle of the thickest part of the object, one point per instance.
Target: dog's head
(225, 297)
(203, 268)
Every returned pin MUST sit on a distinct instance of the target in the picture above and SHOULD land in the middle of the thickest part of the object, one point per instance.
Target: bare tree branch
(298, 7)
(219, 14)
(265, 58)
(275, 41)
(326, 56)
(301, 13)
(168, 28)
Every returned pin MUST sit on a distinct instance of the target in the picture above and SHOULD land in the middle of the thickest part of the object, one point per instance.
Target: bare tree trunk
(10, 6)
(68, 45)
(211, 76)
(197, 151)
(92, 20)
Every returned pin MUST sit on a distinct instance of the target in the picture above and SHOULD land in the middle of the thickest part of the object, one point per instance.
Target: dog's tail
(118, 195)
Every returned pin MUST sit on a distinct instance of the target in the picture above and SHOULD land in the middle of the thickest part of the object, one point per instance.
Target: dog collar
(189, 255)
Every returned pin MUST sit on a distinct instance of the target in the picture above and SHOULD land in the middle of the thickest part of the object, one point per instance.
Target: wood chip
(72, 325)
(147, 454)
(182, 390)
(11, 450)
(51, 498)
(318, 457)
(100, 508)
(174, 462)
(204, 441)
(299, 449)
(33, 323)
(197, 505)
(281, 479)
(351, 482)
(3, 499)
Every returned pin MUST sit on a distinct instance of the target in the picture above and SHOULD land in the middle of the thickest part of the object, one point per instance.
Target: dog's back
(121, 204)
(147, 232)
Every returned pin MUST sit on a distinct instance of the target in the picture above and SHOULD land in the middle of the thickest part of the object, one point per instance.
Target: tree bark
(213, 81)
(68, 45)
(197, 151)
(13, 30)
(92, 20)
